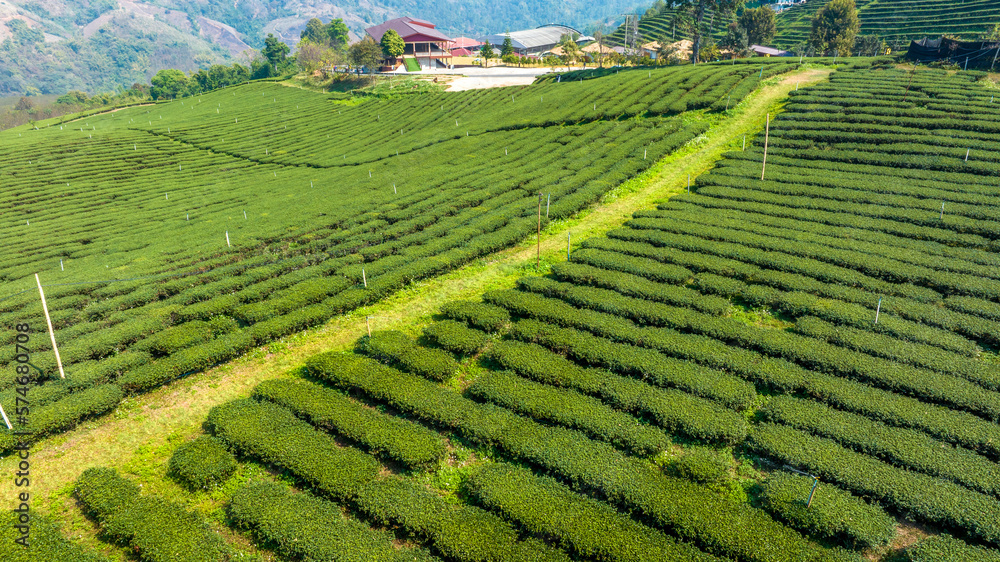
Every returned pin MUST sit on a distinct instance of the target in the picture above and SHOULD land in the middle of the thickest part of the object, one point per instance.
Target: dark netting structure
(968, 54)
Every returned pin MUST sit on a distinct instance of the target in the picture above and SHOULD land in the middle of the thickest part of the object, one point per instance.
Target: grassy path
(140, 435)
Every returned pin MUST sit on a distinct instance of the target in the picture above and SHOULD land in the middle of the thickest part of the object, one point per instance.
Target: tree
(486, 51)
(315, 32)
(337, 34)
(507, 49)
(697, 25)
(736, 41)
(835, 27)
(168, 84)
(309, 55)
(366, 53)
(571, 51)
(759, 25)
(73, 97)
(870, 45)
(24, 104)
(392, 44)
(275, 52)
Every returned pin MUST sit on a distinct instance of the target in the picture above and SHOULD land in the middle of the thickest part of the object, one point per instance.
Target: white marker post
(228, 245)
(48, 320)
(364, 278)
(878, 310)
(5, 420)
(568, 239)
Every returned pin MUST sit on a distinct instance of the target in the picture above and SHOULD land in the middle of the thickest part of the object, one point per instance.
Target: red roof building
(423, 42)
(465, 43)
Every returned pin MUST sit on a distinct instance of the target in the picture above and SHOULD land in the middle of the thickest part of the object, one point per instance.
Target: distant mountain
(53, 46)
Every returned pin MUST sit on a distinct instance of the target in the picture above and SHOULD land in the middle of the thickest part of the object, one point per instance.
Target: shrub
(396, 438)
(702, 465)
(202, 464)
(486, 317)
(945, 548)
(47, 543)
(308, 528)
(397, 348)
(456, 337)
(834, 514)
(159, 530)
(576, 522)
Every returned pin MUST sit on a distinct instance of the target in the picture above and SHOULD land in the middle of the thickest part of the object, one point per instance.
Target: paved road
(471, 78)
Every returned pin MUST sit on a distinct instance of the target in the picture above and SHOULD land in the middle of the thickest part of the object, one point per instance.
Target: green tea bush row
(877, 266)
(45, 542)
(661, 272)
(901, 351)
(812, 235)
(159, 530)
(903, 447)
(617, 350)
(457, 337)
(673, 410)
(926, 313)
(397, 349)
(945, 548)
(777, 374)
(766, 252)
(274, 435)
(202, 464)
(486, 317)
(576, 522)
(399, 439)
(833, 514)
(808, 352)
(456, 531)
(639, 287)
(303, 527)
(932, 499)
(570, 409)
(713, 522)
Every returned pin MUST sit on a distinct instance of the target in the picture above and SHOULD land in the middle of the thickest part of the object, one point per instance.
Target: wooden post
(48, 320)
(767, 132)
(538, 238)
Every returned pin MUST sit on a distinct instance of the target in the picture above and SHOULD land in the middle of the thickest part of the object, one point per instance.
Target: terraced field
(898, 20)
(663, 394)
(178, 236)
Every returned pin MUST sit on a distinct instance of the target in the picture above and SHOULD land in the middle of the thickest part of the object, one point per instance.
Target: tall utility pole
(629, 19)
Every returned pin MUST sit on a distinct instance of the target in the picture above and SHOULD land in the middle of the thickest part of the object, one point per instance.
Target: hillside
(101, 45)
(895, 21)
(675, 387)
(179, 235)
(898, 21)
